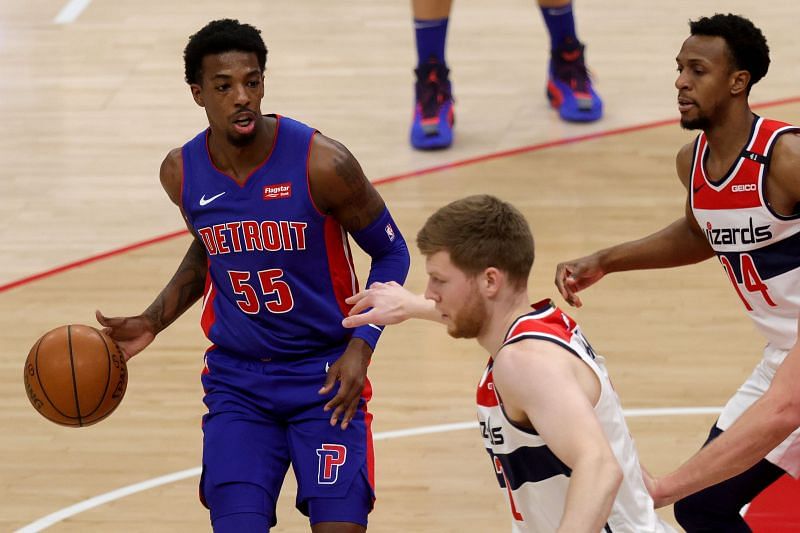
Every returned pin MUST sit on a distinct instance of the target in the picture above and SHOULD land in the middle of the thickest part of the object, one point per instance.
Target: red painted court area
(777, 509)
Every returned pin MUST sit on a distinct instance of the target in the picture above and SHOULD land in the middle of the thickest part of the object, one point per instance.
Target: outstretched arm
(767, 423)
(680, 243)
(388, 303)
(135, 333)
(340, 188)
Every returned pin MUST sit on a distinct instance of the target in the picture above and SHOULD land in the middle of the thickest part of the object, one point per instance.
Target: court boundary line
(390, 179)
(128, 490)
(92, 259)
(71, 11)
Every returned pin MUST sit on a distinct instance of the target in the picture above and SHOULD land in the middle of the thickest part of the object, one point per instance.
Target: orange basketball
(75, 375)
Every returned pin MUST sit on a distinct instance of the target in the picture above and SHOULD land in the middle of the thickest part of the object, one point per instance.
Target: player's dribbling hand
(384, 302)
(350, 370)
(132, 334)
(576, 275)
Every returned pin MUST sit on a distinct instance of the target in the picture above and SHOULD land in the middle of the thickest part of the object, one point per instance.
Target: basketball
(75, 375)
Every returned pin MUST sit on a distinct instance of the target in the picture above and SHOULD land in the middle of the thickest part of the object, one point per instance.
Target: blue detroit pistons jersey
(278, 269)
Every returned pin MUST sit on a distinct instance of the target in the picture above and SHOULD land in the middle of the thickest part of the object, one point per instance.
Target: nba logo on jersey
(389, 232)
(331, 457)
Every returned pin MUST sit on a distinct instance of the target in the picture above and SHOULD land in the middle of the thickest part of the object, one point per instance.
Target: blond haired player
(552, 424)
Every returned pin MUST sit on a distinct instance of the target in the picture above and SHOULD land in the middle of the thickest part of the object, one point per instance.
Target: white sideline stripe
(96, 501)
(424, 430)
(122, 492)
(71, 11)
(672, 411)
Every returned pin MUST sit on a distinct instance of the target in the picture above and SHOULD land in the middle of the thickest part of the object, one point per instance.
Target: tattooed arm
(340, 189)
(135, 333)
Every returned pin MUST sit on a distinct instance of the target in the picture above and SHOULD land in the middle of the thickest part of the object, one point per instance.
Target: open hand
(350, 370)
(387, 304)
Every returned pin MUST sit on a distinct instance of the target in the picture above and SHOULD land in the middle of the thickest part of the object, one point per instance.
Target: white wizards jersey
(534, 480)
(759, 249)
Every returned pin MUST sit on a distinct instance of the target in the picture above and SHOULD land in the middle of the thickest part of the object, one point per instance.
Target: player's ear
(739, 81)
(197, 94)
(491, 280)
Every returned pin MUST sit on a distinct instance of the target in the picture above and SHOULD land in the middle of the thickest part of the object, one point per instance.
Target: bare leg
(433, 9)
(337, 527)
(553, 3)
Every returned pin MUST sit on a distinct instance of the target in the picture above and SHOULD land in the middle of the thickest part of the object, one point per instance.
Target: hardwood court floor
(672, 338)
(92, 107)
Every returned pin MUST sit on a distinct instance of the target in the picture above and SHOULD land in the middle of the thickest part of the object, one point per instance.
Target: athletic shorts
(264, 415)
(787, 454)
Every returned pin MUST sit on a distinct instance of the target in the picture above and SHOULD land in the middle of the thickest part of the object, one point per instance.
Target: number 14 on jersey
(750, 278)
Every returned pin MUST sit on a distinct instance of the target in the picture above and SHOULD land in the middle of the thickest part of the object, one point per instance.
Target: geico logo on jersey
(743, 188)
(748, 235)
(278, 191)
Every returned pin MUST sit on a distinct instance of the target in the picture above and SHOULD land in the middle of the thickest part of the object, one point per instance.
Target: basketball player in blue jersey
(742, 176)
(583, 476)
(270, 202)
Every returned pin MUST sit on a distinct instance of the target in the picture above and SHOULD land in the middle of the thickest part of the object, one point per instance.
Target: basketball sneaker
(432, 127)
(569, 87)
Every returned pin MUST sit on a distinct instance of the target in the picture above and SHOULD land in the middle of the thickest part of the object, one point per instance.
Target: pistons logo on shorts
(331, 457)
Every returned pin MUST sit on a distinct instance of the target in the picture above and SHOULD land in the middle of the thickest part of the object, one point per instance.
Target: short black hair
(747, 45)
(217, 37)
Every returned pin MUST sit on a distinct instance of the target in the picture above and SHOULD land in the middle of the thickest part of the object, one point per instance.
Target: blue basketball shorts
(265, 415)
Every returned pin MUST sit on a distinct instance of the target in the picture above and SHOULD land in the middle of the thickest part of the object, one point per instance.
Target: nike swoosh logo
(327, 366)
(204, 201)
(698, 188)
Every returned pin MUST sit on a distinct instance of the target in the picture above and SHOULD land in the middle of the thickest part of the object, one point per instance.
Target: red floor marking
(389, 179)
(92, 259)
(776, 510)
